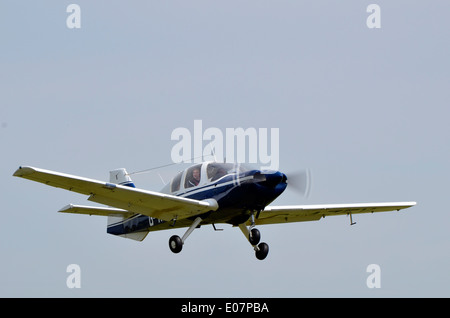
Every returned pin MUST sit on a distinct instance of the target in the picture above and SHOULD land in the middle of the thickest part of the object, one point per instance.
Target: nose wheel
(254, 236)
(263, 250)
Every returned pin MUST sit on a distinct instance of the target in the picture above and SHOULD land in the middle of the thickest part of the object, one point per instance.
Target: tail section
(120, 225)
(120, 176)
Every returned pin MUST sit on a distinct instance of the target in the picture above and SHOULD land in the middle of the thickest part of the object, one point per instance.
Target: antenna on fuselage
(191, 160)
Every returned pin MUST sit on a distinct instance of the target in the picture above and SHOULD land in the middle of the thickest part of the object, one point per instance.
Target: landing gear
(176, 243)
(263, 250)
(254, 236)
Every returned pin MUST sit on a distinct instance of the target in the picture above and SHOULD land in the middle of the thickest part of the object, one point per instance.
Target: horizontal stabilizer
(93, 210)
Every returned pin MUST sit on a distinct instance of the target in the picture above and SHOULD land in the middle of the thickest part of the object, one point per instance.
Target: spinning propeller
(300, 181)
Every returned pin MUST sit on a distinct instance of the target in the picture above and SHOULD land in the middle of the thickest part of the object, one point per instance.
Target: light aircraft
(205, 193)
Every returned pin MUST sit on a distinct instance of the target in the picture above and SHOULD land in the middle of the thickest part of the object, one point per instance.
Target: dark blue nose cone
(270, 179)
(264, 187)
(274, 178)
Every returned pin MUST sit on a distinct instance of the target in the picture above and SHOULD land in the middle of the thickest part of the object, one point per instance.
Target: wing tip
(409, 204)
(23, 171)
(66, 208)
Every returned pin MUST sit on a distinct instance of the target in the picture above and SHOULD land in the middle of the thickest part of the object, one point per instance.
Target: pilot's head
(196, 174)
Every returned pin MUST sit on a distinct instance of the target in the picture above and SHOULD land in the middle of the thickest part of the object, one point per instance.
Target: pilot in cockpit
(195, 179)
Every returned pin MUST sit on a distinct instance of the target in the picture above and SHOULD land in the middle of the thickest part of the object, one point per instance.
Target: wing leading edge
(303, 213)
(154, 204)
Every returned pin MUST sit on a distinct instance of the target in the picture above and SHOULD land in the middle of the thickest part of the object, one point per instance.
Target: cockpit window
(217, 170)
(176, 182)
(193, 176)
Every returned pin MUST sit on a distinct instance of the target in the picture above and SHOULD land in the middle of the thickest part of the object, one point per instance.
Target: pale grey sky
(365, 109)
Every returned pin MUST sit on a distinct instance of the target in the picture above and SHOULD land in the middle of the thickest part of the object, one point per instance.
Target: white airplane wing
(158, 205)
(302, 213)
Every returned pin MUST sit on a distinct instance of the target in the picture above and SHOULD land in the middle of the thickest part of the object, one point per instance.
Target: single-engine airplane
(205, 193)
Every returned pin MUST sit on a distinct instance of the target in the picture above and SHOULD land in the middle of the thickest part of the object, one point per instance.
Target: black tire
(255, 237)
(175, 244)
(262, 252)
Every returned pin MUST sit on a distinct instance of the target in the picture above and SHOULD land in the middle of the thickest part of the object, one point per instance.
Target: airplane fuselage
(238, 195)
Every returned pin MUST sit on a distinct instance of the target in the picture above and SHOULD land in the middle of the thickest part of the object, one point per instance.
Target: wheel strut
(176, 243)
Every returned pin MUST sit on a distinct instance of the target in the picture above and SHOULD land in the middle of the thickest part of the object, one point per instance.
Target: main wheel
(255, 237)
(175, 244)
(263, 250)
